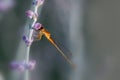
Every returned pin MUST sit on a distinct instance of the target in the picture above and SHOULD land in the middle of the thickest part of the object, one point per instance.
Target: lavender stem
(30, 39)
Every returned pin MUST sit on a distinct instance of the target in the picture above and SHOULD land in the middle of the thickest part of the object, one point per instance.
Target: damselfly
(40, 31)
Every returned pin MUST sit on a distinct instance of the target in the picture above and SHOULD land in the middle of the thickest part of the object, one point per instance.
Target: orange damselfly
(41, 31)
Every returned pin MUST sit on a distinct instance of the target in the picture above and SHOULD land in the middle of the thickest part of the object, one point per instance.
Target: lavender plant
(29, 64)
(29, 39)
(36, 31)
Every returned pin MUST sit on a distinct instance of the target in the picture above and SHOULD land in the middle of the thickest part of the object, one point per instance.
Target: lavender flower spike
(22, 66)
(37, 26)
(30, 14)
(27, 42)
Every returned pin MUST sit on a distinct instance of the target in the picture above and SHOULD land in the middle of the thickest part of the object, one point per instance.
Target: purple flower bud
(37, 26)
(38, 2)
(17, 66)
(24, 38)
(32, 64)
(27, 42)
(30, 14)
(14, 65)
(21, 68)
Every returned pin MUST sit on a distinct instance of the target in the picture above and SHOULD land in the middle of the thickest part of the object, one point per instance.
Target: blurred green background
(88, 28)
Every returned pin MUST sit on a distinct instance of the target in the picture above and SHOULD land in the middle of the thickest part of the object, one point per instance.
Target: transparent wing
(48, 36)
(37, 35)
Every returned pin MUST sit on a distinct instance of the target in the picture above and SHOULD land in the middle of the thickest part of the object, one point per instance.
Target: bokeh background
(88, 28)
